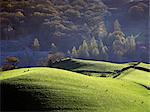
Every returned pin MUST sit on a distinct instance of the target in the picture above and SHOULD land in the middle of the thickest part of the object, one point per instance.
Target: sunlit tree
(53, 48)
(36, 44)
(104, 53)
(102, 31)
(118, 48)
(74, 52)
(130, 44)
(94, 47)
(84, 50)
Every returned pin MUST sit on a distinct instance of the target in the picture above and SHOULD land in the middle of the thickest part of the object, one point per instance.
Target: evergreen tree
(36, 44)
(118, 48)
(74, 52)
(53, 48)
(93, 43)
(130, 44)
(117, 26)
(69, 53)
(84, 50)
(102, 32)
(100, 45)
(94, 47)
(95, 52)
(104, 54)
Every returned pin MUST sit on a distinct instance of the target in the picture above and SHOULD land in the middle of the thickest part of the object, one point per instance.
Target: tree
(95, 52)
(117, 26)
(36, 44)
(10, 63)
(104, 53)
(74, 52)
(130, 44)
(100, 45)
(54, 57)
(19, 14)
(53, 48)
(84, 50)
(12, 60)
(102, 32)
(93, 43)
(118, 48)
(68, 53)
(94, 47)
(118, 35)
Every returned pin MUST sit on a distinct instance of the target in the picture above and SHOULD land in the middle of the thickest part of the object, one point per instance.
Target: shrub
(12, 60)
(53, 58)
(6, 67)
(10, 63)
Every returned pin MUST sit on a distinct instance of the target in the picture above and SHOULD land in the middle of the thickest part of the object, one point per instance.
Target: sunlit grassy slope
(137, 76)
(63, 91)
(77, 64)
(144, 65)
(134, 75)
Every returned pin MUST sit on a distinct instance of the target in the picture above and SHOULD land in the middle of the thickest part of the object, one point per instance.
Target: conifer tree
(74, 52)
(118, 48)
(130, 43)
(117, 26)
(102, 31)
(95, 52)
(69, 54)
(104, 53)
(84, 50)
(36, 44)
(53, 48)
(100, 45)
(94, 47)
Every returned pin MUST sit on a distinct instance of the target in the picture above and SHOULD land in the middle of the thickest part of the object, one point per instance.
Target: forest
(84, 29)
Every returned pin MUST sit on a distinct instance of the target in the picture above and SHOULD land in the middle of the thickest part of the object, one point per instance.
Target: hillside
(50, 20)
(77, 22)
(63, 91)
(137, 76)
(77, 64)
(106, 69)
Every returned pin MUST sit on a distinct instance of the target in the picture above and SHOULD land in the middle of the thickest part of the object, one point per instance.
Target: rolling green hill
(64, 91)
(77, 64)
(95, 68)
(137, 76)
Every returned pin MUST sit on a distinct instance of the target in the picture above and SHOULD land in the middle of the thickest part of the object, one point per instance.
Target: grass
(137, 76)
(77, 64)
(134, 75)
(64, 91)
(144, 65)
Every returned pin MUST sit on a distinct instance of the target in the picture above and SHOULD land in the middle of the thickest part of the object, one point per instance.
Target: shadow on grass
(68, 64)
(13, 99)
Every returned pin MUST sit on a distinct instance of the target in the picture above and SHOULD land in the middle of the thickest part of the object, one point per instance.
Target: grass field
(99, 66)
(137, 76)
(59, 90)
(77, 64)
